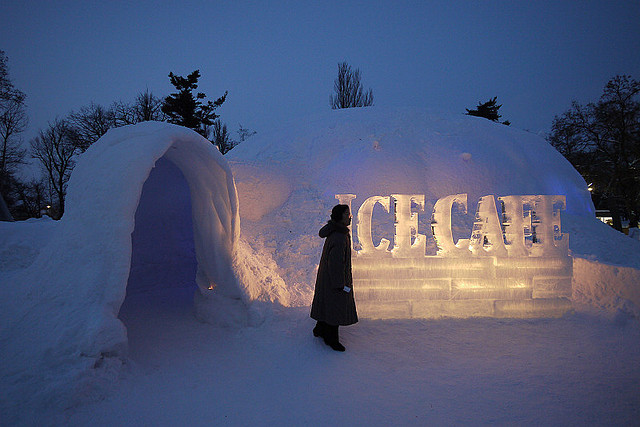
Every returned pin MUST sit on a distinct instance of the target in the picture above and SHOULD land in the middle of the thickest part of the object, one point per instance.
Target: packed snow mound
(375, 151)
(287, 179)
(62, 295)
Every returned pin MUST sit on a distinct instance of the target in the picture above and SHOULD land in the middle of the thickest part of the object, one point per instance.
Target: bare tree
(221, 137)
(146, 107)
(602, 141)
(348, 89)
(5, 215)
(13, 121)
(55, 149)
(90, 123)
(244, 133)
(6, 87)
(33, 197)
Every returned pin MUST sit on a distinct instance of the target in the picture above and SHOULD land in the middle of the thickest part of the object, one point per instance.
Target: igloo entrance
(162, 277)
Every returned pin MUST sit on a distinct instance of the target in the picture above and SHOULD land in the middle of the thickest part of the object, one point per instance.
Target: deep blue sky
(279, 59)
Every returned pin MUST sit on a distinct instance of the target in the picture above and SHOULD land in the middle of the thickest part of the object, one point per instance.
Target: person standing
(333, 302)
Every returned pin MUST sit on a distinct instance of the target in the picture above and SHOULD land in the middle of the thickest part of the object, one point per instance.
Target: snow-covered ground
(581, 369)
(577, 370)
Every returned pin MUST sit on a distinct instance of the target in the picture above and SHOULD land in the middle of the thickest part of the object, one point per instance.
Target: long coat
(331, 304)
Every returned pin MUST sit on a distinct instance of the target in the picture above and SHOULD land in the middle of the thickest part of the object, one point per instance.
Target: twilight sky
(278, 59)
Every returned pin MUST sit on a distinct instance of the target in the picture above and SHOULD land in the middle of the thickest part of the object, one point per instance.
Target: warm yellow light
(497, 271)
(469, 286)
(518, 285)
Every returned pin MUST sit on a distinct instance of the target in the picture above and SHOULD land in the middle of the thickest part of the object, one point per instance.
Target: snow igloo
(125, 192)
(453, 216)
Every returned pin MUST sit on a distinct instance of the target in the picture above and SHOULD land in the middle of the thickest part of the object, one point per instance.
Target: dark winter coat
(331, 304)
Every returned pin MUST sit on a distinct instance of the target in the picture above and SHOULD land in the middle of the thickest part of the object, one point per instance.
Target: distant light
(48, 206)
(590, 186)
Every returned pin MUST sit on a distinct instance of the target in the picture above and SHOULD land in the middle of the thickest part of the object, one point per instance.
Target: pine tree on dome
(488, 110)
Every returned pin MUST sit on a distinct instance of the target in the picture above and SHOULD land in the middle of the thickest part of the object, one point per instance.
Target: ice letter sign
(514, 263)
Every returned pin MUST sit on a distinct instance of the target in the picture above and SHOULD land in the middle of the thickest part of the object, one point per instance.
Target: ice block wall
(515, 262)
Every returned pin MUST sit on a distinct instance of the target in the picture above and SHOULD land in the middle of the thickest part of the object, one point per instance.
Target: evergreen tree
(186, 109)
(488, 110)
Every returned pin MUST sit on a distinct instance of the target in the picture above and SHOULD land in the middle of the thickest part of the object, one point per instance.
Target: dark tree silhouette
(146, 107)
(221, 137)
(13, 121)
(34, 198)
(244, 133)
(348, 89)
(55, 148)
(90, 123)
(602, 141)
(186, 109)
(488, 110)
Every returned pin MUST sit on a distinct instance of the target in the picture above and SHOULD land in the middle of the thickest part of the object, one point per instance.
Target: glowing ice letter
(513, 223)
(364, 227)
(345, 199)
(441, 226)
(407, 225)
(546, 224)
(486, 237)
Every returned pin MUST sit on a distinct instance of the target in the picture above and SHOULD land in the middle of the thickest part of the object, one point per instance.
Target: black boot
(331, 338)
(320, 329)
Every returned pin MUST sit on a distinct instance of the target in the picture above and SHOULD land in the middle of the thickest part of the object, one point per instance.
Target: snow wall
(62, 309)
(287, 181)
(612, 288)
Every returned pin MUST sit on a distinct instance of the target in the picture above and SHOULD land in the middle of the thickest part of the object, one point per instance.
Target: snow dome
(371, 150)
(393, 166)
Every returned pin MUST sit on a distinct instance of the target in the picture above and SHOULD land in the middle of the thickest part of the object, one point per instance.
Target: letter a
(486, 237)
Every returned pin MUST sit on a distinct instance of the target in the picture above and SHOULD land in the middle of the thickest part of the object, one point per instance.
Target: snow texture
(370, 152)
(62, 295)
(97, 316)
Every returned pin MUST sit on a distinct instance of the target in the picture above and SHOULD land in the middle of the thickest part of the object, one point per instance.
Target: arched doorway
(162, 277)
